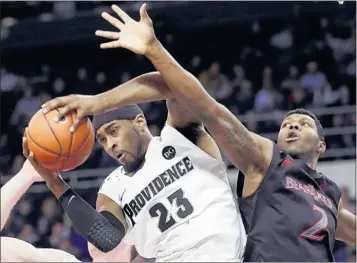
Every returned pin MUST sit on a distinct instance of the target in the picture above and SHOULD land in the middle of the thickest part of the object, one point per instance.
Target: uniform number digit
(165, 219)
(312, 232)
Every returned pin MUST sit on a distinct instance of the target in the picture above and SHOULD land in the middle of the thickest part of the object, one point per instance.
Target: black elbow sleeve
(91, 224)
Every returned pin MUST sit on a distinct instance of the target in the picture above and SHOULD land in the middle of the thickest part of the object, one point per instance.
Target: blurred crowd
(59, 9)
(252, 68)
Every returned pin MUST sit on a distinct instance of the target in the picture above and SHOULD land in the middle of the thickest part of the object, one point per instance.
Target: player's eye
(284, 124)
(113, 131)
(102, 140)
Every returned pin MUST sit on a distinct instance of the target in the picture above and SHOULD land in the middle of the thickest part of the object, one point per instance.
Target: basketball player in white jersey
(171, 196)
(16, 250)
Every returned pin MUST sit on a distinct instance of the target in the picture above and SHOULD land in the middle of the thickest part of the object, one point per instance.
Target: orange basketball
(54, 146)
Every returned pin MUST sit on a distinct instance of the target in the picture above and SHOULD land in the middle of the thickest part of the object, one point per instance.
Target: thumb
(32, 160)
(143, 13)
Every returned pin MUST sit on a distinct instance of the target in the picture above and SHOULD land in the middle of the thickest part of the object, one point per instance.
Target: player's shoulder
(330, 187)
(167, 132)
(181, 135)
(112, 178)
(113, 186)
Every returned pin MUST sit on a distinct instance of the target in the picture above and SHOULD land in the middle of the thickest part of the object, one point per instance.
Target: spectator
(297, 98)
(351, 68)
(267, 98)
(58, 233)
(65, 9)
(21, 216)
(195, 65)
(5, 157)
(48, 216)
(58, 87)
(26, 107)
(84, 85)
(125, 77)
(101, 78)
(17, 164)
(9, 81)
(216, 83)
(245, 97)
(283, 39)
(27, 234)
(291, 82)
(313, 79)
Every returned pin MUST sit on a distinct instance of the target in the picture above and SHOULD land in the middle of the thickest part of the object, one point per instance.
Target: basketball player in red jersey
(295, 212)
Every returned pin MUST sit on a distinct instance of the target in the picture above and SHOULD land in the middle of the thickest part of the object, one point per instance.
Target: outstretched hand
(84, 105)
(134, 36)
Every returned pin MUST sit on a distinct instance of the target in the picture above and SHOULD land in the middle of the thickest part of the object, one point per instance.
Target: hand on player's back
(43, 172)
(84, 105)
(132, 35)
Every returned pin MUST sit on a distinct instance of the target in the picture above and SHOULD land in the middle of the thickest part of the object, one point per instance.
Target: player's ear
(140, 122)
(321, 148)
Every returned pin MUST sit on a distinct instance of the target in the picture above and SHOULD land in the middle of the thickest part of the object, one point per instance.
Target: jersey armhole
(175, 133)
(110, 189)
(275, 160)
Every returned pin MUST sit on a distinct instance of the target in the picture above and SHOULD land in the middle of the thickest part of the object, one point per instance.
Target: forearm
(145, 88)
(346, 227)
(11, 192)
(56, 255)
(185, 86)
(91, 224)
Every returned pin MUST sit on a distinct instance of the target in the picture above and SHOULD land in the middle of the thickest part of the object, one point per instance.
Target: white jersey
(179, 206)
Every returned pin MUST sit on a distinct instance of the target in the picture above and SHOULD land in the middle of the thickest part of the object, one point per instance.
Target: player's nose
(294, 127)
(112, 145)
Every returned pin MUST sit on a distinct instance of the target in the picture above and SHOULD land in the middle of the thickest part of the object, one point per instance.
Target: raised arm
(249, 152)
(15, 188)
(144, 88)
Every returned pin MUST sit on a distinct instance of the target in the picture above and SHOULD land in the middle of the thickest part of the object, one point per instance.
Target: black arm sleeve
(92, 225)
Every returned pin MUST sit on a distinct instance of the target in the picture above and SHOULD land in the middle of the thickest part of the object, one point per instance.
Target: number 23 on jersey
(176, 199)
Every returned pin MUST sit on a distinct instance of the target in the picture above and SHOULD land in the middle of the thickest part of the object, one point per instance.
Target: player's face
(298, 135)
(122, 141)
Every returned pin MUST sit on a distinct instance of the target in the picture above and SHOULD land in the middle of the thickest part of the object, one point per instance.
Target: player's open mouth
(292, 139)
(292, 136)
(120, 157)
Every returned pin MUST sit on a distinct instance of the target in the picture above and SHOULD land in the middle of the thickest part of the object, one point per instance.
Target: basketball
(54, 146)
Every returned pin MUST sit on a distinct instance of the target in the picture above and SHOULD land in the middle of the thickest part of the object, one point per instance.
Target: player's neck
(312, 164)
(309, 159)
(146, 140)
